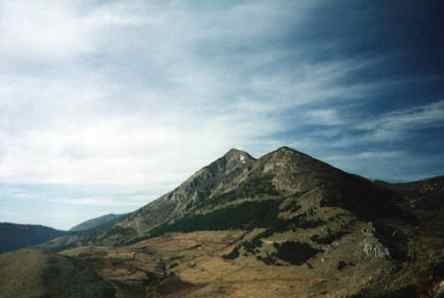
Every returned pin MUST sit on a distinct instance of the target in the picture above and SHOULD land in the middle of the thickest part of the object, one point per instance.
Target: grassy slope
(32, 273)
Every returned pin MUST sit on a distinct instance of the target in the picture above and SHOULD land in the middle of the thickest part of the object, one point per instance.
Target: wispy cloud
(144, 93)
(324, 117)
(100, 201)
(417, 117)
(133, 106)
(366, 155)
(47, 30)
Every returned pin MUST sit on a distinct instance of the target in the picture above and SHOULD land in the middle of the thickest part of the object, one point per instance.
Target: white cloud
(366, 155)
(42, 28)
(146, 93)
(324, 117)
(98, 201)
(430, 115)
(394, 124)
(45, 30)
(150, 111)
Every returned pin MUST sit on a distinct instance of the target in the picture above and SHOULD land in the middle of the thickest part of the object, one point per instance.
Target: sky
(106, 105)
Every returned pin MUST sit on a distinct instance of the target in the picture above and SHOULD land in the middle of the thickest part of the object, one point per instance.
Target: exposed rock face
(372, 247)
(218, 177)
(439, 293)
(294, 171)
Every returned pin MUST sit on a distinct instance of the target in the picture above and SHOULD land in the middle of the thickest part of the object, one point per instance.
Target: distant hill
(15, 236)
(96, 222)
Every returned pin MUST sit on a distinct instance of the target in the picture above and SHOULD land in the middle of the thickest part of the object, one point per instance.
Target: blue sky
(105, 105)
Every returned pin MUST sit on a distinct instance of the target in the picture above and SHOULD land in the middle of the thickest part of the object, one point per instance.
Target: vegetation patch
(261, 214)
(290, 206)
(255, 187)
(252, 246)
(329, 237)
(258, 185)
(299, 222)
(14, 236)
(234, 254)
(268, 260)
(293, 252)
(405, 292)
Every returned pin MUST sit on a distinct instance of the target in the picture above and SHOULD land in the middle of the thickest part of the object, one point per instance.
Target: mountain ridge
(14, 236)
(237, 177)
(95, 222)
(307, 228)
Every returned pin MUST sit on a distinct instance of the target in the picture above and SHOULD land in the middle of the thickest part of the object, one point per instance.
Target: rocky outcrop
(439, 293)
(371, 245)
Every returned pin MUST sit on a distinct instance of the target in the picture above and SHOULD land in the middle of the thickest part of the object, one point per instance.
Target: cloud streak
(142, 94)
(418, 117)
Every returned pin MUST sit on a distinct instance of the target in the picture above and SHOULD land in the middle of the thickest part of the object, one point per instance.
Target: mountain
(96, 222)
(15, 236)
(201, 188)
(238, 182)
(283, 225)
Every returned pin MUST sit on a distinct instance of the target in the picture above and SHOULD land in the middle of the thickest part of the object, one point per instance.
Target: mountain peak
(235, 151)
(284, 148)
(238, 155)
(286, 151)
(293, 170)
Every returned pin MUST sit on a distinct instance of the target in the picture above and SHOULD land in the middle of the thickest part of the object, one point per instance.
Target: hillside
(15, 236)
(96, 222)
(282, 225)
(30, 273)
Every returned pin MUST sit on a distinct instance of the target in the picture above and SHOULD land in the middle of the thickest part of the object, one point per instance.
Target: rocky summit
(282, 225)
